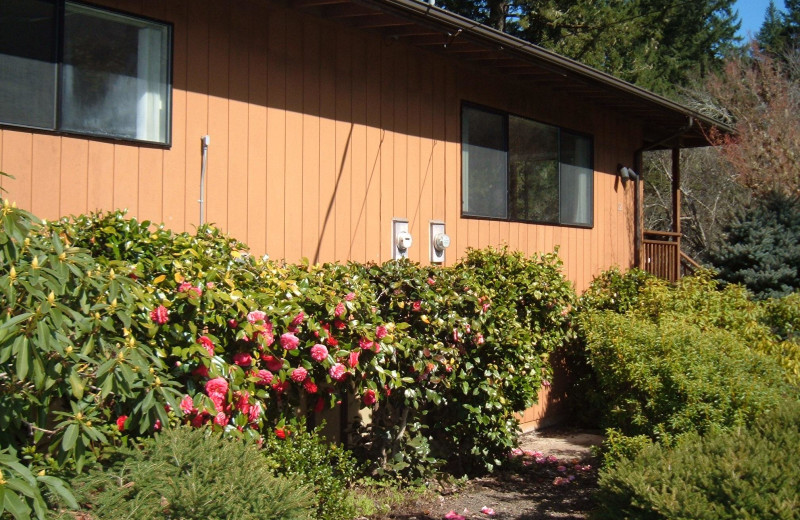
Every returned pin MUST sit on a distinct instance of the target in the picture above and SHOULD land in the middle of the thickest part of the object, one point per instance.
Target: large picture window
(518, 169)
(74, 68)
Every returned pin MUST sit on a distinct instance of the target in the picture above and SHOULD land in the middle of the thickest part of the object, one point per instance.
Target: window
(515, 168)
(74, 68)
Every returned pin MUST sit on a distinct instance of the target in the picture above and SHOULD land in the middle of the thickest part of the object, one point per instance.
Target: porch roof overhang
(665, 123)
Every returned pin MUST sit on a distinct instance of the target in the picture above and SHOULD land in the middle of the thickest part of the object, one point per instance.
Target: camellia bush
(115, 329)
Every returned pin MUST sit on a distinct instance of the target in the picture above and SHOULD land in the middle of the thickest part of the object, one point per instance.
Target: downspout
(638, 194)
(204, 142)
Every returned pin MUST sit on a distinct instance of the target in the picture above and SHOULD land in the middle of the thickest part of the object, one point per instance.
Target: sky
(752, 13)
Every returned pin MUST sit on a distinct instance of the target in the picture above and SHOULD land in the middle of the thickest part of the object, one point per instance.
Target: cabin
(331, 130)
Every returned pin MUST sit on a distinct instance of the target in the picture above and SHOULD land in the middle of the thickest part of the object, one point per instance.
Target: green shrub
(194, 474)
(744, 473)
(327, 469)
(672, 377)
(762, 248)
(20, 489)
(614, 290)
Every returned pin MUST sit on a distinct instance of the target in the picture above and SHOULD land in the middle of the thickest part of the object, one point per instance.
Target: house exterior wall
(320, 135)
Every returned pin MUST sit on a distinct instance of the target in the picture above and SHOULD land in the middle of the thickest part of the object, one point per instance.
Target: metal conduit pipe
(204, 142)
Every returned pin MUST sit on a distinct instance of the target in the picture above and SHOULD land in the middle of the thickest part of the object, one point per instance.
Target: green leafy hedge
(744, 473)
(115, 329)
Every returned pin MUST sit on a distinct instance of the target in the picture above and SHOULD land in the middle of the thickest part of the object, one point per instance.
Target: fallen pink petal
(452, 515)
(487, 511)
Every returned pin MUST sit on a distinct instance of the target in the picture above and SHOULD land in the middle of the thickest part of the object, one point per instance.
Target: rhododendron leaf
(70, 437)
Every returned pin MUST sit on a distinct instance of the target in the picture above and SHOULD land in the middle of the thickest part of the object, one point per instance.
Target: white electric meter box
(401, 239)
(439, 242)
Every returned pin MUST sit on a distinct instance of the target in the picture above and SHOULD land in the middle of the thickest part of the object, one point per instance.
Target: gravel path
(555, 479)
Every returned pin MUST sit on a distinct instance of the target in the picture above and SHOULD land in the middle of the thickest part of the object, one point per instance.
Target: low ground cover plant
(194, 473)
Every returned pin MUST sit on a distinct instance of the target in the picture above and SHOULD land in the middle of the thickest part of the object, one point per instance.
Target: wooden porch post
(676, 206)
(638, 207)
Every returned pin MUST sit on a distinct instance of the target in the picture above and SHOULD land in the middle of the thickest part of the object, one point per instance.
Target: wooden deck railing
(662, 254)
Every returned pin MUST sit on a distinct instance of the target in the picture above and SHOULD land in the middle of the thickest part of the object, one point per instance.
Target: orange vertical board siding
(413, 167)
(328, 159)
(400, 149)
(17, 151)
(74, 169)
(196, 124)
(100, 172)
(426, 171)
(311, 139)
(257, 195)
(293, 175)
(344, 145)
(358, 205)
(218, 115)
(276, 134)
(238, 118)
(374, 212)
(45, 178)
(151, 184)
(126, 178)
(387, 74)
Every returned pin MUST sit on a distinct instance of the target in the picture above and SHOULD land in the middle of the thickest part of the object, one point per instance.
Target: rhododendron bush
(107, 317)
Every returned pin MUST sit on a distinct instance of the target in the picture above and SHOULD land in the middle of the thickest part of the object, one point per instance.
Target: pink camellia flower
(200, 371)
(339, 324)
(198, 420)
(242, 402)
(121, 422)
(381, 332)
(310, 386)
(552, 459)
(233, 323)
(264, 377)
(281, 433)
(207, 343)
(338, 372)
(452, 515)
(160, 315)
(319, 352)
(280, 386)
(221, 419)
(187, 287)
(266, 335)
(299, 318)
(339, 310)
(243, 359)
(331, 341)
(369, 398)
(254, 414)
(299, 374)
(187, 405)
(365, 343)
(416, 306)
(353, 359)
(479, 339)
(218, 385)
(350, 296)
(289, 341)
(255, 316)
(157, 425)
(272, 362)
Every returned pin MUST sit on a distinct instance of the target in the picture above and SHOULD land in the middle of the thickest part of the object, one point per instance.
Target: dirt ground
(555, 478)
